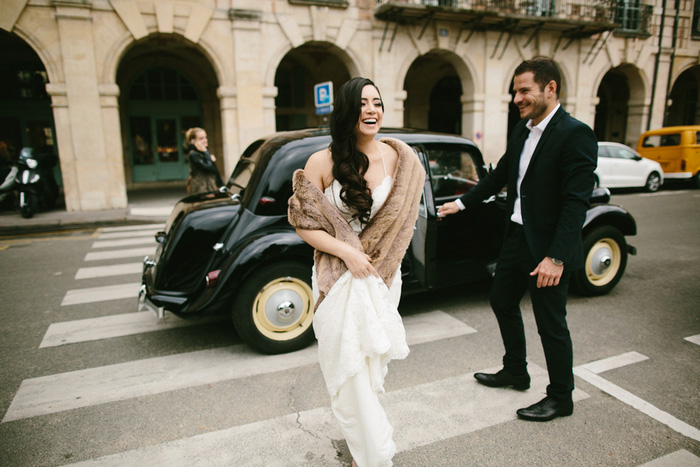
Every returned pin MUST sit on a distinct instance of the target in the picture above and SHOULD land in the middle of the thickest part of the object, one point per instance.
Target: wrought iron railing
(591, 11)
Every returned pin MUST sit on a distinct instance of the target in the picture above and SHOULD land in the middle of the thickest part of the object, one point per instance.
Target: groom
(548, 170)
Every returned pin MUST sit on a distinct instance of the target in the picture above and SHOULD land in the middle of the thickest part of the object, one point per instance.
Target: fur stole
(384, 238)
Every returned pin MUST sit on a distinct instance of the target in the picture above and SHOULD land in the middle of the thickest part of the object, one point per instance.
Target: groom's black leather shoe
(547, 409)
(503, 379)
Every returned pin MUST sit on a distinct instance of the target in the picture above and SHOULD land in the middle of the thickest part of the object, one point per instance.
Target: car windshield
(244, 169)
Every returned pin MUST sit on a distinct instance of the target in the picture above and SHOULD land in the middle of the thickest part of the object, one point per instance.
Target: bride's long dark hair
(349, 163)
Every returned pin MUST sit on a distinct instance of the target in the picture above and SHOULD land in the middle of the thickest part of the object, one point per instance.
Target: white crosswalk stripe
(108, 271)
(128, 228)
(67, 391)
(694, 339)
(118, 254)
(129, 233)
(106, 327)
(101, 294)
(140, 240)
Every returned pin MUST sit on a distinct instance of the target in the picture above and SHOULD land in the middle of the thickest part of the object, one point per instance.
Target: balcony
(574, 18)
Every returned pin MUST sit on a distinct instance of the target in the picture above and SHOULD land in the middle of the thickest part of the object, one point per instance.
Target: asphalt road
(87, 381)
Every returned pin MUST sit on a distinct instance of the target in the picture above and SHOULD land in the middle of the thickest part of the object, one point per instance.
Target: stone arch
(297, 70)
(684, 97)
(345, 55)
(622, 105)
(449, 76)
(26, 113)
(52, 66)
(115, 55)
(183, 58)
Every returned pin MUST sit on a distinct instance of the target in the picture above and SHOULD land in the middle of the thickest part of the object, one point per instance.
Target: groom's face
(532, 101)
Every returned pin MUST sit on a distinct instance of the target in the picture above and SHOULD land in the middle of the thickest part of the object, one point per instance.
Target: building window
(634, 18)
(628, 14)
(695, 31)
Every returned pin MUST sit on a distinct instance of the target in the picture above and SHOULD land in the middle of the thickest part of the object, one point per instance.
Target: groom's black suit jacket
(555, 190)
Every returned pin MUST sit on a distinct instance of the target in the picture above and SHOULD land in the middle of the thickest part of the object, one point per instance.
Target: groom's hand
(448, 208)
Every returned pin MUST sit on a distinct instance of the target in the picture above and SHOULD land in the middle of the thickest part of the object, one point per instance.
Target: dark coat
(204, 173)
(555, 190)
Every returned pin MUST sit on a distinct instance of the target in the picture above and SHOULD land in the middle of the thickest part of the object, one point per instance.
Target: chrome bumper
(146, 304)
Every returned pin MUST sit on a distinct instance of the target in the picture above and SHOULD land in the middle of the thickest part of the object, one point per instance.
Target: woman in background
(204, 175)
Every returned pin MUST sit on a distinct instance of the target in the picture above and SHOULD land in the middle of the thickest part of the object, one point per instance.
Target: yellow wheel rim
(603, 262)
(283, 309)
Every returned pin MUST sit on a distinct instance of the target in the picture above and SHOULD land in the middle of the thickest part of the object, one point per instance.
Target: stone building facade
(110, 86)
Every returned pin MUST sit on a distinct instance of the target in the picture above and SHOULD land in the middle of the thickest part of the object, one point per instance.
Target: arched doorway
(167, 86)
(684, 108)
(433, 95)
(26, 116)
(296, 75)
(445, 114)
(621, 112)
(612, 110)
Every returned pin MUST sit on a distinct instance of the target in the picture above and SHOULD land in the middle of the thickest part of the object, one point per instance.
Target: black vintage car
(235, 252)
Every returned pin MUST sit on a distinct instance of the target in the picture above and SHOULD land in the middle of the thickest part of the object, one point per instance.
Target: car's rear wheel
(274, 308)
(653, 182)
(605, 251)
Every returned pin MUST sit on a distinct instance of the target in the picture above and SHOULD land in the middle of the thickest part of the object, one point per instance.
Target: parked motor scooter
(8, 180)
(35, 182)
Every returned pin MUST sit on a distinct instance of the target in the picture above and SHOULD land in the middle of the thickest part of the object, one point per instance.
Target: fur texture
(386, 236)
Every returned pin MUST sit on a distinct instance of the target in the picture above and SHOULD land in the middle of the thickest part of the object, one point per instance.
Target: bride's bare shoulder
(319, 168)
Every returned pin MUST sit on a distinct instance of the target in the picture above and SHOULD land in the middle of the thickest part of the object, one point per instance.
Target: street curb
(74, 224)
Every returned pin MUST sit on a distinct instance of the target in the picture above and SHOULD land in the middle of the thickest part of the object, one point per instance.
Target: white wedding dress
(359, 330)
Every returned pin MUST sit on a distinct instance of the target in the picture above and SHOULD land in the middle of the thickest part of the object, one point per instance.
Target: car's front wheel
(274, 308)
(653, 182)
(605, 251)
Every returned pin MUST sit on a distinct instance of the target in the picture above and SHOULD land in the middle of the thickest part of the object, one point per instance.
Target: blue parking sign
(323, 94)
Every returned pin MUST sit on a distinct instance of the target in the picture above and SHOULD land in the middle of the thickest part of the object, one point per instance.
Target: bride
(356, 203)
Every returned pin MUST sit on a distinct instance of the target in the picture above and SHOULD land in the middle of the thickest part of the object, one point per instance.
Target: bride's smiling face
(371, 112)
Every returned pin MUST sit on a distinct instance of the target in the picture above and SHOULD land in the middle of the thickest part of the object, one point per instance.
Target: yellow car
(676, 148)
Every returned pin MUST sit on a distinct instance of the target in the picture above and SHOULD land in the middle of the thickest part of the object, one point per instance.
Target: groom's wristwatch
(557, 262)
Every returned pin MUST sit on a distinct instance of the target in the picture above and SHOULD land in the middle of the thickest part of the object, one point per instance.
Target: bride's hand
(359, 264)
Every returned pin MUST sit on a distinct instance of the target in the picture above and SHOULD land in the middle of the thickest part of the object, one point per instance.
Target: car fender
(610, 214)
(257, 251)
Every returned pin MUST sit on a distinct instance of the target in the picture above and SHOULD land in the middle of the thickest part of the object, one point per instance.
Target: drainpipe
(673, 56)
(656, 65)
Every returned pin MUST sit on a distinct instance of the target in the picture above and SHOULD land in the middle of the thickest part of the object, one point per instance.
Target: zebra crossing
(426, 413)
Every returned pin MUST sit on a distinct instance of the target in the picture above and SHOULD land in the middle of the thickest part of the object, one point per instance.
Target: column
(229, 126)
(90, 175)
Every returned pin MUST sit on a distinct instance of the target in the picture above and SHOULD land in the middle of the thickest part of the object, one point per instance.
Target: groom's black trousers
(511, 281)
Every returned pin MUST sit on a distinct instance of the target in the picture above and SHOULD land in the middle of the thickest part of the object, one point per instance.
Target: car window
(618, 152)
(655, 141)
(697, 137)
(452, 171)
(603, 151)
